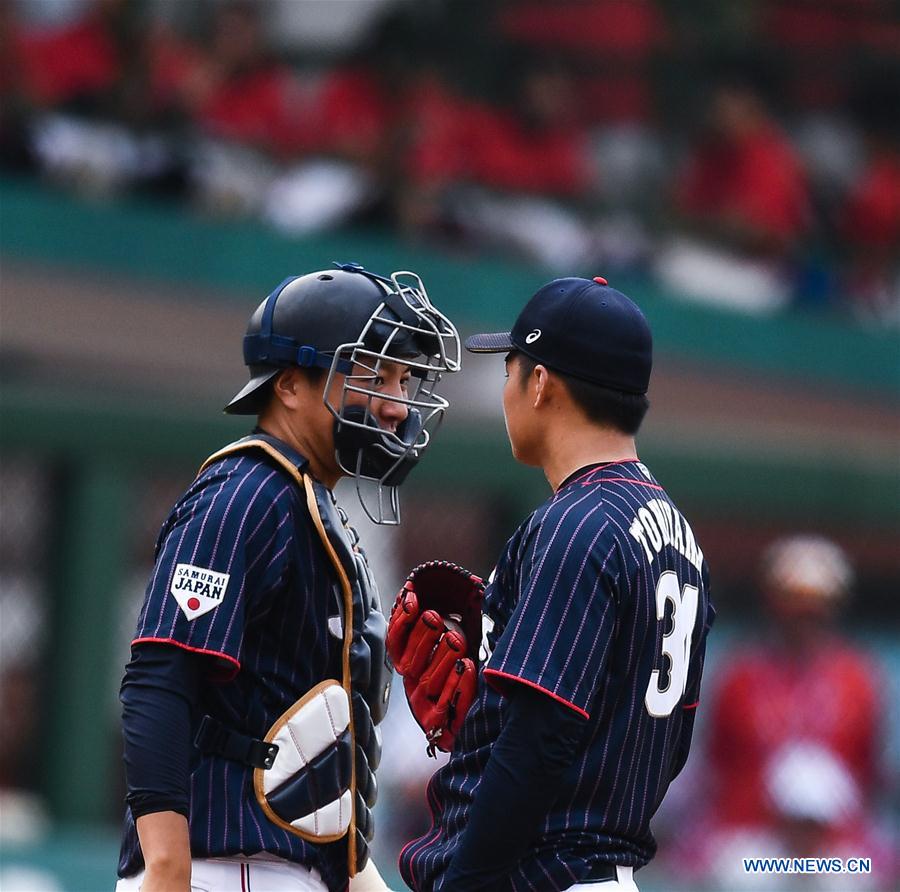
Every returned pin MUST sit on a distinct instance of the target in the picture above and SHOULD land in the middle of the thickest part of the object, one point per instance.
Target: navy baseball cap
(583, 328)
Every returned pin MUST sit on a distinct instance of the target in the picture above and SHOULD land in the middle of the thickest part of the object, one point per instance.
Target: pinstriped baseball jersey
(600, 600)
(241, 576)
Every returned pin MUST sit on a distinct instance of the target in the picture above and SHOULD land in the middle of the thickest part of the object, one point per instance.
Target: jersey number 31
(676, 645)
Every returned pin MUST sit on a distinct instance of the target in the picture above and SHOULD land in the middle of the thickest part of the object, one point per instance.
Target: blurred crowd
(746, 155)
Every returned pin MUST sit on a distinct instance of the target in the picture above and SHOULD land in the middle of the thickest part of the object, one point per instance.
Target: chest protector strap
(321, 785)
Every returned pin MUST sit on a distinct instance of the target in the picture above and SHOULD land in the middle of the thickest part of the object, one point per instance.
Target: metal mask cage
(380, 500)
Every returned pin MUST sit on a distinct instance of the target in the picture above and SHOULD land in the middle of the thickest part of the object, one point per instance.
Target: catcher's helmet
(348, 320)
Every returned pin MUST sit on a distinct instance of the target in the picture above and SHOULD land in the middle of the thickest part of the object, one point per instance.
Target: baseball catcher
(258, 673)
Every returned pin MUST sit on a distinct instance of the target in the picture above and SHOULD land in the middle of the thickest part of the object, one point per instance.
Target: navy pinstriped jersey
(601, 601)
(241, 576)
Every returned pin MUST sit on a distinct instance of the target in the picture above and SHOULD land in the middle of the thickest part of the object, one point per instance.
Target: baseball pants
(242, 875)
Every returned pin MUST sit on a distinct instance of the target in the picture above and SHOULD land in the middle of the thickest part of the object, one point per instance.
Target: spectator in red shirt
(613, 42)
(795, 737)
(872, 212)
(83, 100)
(743, 183)
(869, 221)
(807, 684)
(236, 91)
(538, 146)
(742, 205)
(496, 175)
(839, 33)
(77, 65)
(354, 112)
(342, 141)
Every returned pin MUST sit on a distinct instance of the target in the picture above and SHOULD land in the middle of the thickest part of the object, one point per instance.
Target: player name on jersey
(657, 525)
(198, 589)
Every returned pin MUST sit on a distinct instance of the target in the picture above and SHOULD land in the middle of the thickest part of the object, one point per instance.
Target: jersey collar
(594, 466)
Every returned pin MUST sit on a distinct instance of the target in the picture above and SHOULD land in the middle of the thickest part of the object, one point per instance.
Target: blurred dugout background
(733, 166)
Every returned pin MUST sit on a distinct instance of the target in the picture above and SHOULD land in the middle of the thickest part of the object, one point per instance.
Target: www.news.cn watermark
(807, 865)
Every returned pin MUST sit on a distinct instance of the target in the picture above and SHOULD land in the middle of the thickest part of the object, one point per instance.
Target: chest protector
(320, 785)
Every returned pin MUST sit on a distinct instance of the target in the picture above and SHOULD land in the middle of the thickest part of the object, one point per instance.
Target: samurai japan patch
(197, 589)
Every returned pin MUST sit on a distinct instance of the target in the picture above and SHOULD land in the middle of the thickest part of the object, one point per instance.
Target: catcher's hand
(433, 638)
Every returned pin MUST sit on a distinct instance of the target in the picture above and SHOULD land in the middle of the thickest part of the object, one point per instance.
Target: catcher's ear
(285, 387)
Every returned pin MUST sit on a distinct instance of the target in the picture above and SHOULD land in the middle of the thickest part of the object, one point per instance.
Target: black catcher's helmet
(348, 320)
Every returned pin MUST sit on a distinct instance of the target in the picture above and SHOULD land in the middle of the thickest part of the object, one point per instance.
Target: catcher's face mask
(404, 330)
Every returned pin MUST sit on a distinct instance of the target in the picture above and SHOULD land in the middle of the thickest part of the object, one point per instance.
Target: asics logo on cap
(533, 336)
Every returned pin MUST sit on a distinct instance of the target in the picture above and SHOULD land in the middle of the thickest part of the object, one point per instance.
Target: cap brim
(498, 342)
(250, 398)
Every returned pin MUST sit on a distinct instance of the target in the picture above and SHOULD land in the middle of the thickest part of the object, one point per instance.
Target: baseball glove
(433, 638)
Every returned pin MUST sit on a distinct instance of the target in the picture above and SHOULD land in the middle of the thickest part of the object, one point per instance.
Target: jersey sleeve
(557, 638)
(224, 545)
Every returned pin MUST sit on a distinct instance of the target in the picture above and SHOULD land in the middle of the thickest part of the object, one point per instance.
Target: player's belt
(601, 872)
(215, 739)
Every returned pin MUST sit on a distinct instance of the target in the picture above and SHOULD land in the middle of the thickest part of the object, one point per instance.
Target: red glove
(433, 638)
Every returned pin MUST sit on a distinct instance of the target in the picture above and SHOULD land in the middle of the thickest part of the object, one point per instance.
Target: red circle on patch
(600, 280)
(193, 603)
